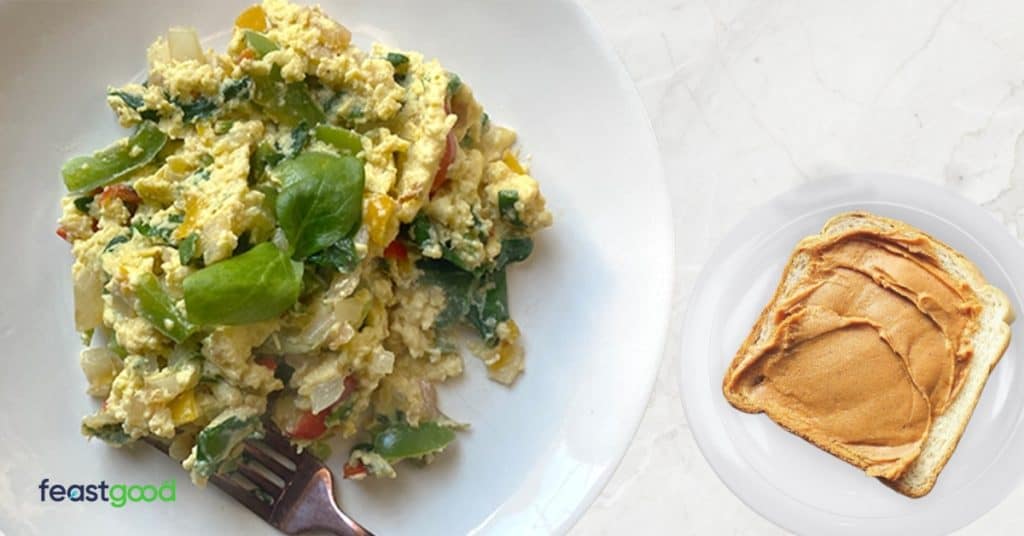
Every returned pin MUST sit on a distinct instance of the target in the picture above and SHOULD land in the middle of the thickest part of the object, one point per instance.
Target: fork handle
(335, 521)
(320, 511)
(332, 519)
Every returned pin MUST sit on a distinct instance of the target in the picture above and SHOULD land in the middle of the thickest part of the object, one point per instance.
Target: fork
(292, 492)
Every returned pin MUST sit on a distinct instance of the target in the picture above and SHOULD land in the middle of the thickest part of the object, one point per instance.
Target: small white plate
(781, 476)
(593, 300)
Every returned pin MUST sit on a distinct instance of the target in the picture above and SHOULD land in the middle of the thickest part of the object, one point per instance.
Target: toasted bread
(916, 473)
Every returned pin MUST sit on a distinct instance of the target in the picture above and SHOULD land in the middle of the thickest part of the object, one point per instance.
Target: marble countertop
(749, 98)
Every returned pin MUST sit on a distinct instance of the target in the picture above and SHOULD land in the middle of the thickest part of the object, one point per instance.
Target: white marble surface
(750, 97)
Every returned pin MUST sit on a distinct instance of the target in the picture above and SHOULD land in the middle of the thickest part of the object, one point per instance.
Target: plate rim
(666, 277)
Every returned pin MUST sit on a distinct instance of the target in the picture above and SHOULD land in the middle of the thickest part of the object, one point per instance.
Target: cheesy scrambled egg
(292, 235)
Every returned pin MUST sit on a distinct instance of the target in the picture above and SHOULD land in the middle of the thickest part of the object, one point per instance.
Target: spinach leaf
(400, 62)
(339, 414)
(137, 103)
(419, 231)
(263, 156)
(357, 112)
(83, 203)
(112, 434)
(257, 285)
(321, 200)
(458, 286)
(159, 310)
(187, 249)
(222, 127)
(454, 83)
(513, 250)
(145, 229)
(298, 139)
(133, 101)
(215, 443)
(480, 297)
(119, 239)
(287, 103)
(239, 88)
(341, 256)
(507, 200)
(397, 59)
(198, 108)
(490, 306)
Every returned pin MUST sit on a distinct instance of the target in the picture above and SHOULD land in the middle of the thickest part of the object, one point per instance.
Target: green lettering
(167, 491)
(146, 495)
(118, 495)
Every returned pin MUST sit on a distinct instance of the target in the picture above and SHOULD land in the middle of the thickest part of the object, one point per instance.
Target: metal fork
(292, 492)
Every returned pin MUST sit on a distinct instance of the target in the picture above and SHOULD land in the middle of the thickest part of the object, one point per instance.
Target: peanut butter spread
(868, 346)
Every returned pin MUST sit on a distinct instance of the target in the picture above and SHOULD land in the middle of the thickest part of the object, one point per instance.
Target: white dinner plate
(592, 302)
(785, 478)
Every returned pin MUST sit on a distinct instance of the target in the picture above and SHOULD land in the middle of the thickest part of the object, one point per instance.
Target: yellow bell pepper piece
(184, 408)
(512, 162)
(506, 348)
(253, 18)
(381, 219)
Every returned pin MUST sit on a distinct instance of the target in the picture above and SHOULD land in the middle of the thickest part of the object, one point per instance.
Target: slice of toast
(989, 342)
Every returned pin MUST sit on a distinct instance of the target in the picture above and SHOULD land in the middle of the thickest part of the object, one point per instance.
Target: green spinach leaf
(112, 434)
(214, 444)
(119, 239)
(159, 310)
(287, 103)
(136, 103)
(341, 256)
(83, 203)
(187, 248)
(198, 108)
(507, 200)
(257, 285)
(321, 200)
(239, 88)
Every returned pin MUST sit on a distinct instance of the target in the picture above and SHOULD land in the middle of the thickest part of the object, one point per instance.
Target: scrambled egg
(293, 234)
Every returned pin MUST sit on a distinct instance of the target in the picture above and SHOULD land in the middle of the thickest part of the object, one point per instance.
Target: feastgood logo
(117, 495)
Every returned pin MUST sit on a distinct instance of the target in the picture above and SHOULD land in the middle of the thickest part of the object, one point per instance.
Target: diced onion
(326, 393)
(353, 310)
(100, 366)
(312, 334)
(183, 44)
(88, 290)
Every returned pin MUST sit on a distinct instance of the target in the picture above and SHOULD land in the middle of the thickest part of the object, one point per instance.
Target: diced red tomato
(351, 384)
(120, 191)
(446, 160)
(267, 361)
(395, 251)
(62, 233)
(354, 470)
(310, 425)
